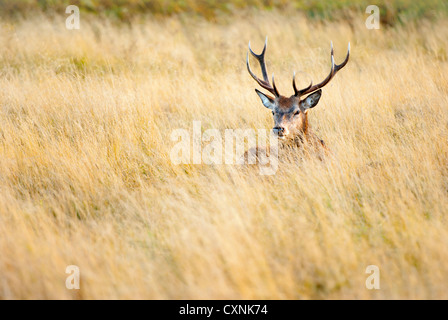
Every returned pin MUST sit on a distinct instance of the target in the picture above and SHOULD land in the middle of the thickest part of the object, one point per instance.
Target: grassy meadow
(86, 177)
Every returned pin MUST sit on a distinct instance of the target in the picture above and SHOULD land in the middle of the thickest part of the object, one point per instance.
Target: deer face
(290, 114)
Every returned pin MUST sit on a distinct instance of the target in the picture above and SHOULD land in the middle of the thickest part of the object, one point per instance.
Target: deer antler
(263, 83)
(334, 69)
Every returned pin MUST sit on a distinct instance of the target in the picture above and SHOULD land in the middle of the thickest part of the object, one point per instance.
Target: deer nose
(278, 130)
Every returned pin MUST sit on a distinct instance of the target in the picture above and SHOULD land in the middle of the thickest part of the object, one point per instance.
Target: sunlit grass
(86, 178)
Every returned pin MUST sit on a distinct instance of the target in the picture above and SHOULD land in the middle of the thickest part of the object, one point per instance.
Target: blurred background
(392, 11)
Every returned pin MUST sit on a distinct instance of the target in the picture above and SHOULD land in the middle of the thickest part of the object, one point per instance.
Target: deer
(291, 113)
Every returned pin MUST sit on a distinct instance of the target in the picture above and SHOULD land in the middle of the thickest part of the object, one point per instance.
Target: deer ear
(267, 101)
(312, 100)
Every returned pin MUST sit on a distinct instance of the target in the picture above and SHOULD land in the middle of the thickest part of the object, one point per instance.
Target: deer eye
(296, 113)
(273, 113)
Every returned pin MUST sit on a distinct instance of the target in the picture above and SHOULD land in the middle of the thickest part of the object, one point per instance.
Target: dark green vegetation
(392, 11)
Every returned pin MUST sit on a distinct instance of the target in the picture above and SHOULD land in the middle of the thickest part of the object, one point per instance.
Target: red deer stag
(290, 113)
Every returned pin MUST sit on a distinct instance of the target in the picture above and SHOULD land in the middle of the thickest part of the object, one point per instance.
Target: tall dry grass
(86, 177)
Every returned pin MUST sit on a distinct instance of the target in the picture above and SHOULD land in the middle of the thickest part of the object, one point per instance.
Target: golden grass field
(86, 177)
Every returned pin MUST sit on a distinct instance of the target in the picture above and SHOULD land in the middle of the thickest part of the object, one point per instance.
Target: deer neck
(302, 136)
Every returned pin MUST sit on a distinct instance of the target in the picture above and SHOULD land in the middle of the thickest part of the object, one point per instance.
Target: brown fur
(291, 114)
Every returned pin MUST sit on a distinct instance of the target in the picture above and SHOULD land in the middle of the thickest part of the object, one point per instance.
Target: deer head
(290, 113)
